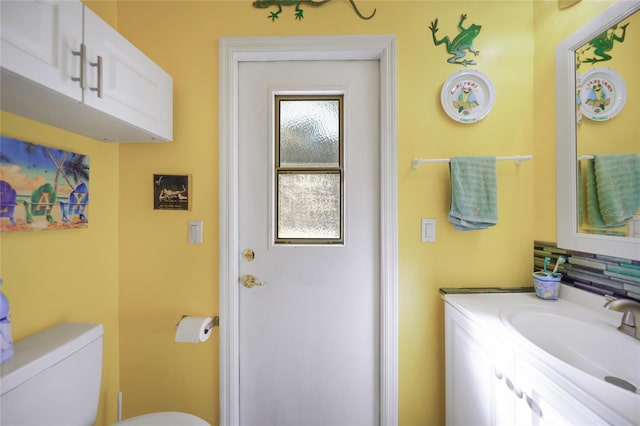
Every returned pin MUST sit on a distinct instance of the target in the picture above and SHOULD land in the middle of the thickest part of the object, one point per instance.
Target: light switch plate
(428, 231)
(195, 232)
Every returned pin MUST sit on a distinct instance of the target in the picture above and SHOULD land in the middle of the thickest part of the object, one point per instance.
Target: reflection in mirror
(597, 128)
(607, 141)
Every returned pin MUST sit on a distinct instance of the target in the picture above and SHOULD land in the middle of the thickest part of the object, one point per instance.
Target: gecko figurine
(263, 4)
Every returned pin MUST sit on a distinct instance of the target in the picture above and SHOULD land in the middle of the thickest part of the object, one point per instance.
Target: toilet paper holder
(215, 322)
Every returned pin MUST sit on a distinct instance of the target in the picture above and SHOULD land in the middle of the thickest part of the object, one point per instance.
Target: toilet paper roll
(194, 329)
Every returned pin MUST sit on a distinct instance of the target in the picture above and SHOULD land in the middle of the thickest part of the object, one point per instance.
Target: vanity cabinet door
(546, 404)
(123, 82)
(38, 41)
(476, 371)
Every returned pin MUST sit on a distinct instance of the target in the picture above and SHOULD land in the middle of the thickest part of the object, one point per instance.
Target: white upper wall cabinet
(64, 66)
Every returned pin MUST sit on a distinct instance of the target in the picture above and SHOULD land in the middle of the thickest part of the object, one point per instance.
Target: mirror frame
(568, 236)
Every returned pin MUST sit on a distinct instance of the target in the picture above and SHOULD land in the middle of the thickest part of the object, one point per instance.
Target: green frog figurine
(463, 41)
(602, 44)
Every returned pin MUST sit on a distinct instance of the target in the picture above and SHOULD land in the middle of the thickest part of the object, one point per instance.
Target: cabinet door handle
(98, 64)
(535, 408)
(82, 53)
(509, 383)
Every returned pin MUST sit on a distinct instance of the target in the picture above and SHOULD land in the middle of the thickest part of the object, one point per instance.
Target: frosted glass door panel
(309, 133)
(309, 206)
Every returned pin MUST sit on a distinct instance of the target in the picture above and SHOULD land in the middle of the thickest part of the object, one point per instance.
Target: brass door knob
(248, 255)
(249, 281)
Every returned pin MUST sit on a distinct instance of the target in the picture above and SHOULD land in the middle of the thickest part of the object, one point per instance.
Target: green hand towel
(474, 192)
(618, 186)
(594, 218)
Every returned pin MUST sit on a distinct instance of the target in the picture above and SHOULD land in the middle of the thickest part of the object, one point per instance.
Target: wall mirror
(605, 51)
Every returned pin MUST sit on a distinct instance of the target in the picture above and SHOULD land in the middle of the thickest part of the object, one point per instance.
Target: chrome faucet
(630, 323)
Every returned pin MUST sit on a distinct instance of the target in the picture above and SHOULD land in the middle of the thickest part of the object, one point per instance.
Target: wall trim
(232, 51)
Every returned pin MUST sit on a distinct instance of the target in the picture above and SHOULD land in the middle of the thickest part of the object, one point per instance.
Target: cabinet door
(475, 371)
(38, 41)
(470, 381)
(127, 84)
(546, 404)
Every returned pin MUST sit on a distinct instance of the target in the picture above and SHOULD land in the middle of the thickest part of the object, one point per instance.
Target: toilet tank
(53, 378)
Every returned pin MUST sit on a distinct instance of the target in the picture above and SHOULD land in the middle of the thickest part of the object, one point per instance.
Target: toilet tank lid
(41, 350)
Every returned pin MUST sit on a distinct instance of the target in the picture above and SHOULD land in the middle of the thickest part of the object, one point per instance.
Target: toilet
(54, 379)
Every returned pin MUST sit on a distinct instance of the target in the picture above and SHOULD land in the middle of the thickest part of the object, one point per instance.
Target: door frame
(233, 51)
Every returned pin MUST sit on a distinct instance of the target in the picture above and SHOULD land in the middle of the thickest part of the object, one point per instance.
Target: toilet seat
(164, 418)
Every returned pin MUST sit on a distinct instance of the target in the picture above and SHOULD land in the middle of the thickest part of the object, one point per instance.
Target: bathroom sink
(590, 344)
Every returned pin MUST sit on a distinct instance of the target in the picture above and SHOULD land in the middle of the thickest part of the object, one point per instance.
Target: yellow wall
(69, 275)
(137, 261)
(163, 277)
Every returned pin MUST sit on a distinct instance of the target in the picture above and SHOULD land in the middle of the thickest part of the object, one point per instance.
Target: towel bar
(518, 159)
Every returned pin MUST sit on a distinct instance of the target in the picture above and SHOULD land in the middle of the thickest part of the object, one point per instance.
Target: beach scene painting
(41, 187)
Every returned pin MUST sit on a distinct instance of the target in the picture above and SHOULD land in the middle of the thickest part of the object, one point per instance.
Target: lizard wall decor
(463, 41)
(264, 4)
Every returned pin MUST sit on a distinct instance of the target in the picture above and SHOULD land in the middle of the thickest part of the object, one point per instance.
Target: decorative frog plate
(467, 96)
(602, 95)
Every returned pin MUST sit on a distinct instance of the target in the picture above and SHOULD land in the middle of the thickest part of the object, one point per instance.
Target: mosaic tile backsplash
(592, 272)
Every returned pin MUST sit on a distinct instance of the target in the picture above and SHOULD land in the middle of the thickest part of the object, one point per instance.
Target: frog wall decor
(463, 41)
(601, 46)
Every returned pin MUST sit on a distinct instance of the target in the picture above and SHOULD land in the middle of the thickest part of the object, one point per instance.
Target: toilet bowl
(58, 370)
(165, 418)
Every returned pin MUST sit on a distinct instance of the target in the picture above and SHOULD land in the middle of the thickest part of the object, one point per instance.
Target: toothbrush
(547, 260)
(559, 262)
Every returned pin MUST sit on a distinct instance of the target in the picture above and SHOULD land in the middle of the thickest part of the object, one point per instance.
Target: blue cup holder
(547, 285)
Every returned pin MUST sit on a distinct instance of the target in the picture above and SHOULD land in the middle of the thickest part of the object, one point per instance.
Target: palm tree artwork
(42, 187)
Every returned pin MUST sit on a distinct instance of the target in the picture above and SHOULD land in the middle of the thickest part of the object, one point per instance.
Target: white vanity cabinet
(489, 383)
(63, 65)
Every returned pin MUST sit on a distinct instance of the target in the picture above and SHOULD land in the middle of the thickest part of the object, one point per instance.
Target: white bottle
(6, 339)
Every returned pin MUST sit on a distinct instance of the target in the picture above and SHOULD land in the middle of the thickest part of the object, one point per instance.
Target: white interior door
(309, 338)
